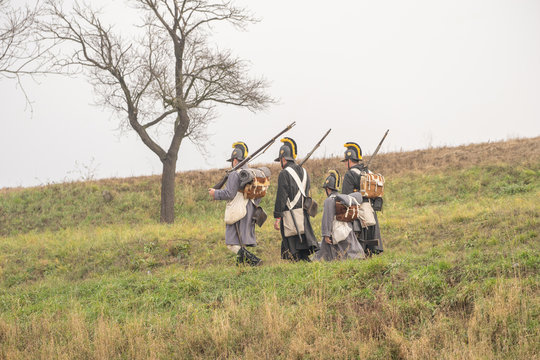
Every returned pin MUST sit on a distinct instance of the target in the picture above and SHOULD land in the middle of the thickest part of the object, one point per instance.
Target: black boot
(245, 257)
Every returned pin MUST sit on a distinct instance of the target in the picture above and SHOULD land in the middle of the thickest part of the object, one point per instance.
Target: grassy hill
(84, 276)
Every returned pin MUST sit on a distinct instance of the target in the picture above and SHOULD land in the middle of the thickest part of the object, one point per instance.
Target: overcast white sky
(433, 72)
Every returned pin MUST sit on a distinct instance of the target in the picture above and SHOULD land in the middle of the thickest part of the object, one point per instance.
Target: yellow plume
(293, 145)
(338, 178)
(243, 145)
(356, 147)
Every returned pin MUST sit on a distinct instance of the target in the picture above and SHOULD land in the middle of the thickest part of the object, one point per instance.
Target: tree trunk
(167, 190)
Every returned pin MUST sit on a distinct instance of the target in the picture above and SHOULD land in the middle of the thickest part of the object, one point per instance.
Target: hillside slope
(84, 277)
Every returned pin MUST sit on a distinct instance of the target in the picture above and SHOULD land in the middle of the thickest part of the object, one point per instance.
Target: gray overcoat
(246, 224)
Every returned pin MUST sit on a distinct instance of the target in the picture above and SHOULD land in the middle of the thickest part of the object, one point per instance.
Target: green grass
(459, 277)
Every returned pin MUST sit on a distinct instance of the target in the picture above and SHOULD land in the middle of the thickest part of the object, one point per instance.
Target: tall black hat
(333, 180)
(288, 150)
(353, 151)
(240, 151)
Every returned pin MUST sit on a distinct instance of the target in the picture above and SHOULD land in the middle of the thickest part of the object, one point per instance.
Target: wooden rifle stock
(262, 149)
(221, 182)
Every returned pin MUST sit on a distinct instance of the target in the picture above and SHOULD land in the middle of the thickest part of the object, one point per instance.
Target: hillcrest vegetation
(88, 272)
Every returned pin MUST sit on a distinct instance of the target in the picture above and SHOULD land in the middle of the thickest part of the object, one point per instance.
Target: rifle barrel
(378, 147)
(314, 148)
(263, 148)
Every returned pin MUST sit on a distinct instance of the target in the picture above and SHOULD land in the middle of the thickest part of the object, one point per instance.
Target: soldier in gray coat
(370, 237)
(246, 226)
(349, 248)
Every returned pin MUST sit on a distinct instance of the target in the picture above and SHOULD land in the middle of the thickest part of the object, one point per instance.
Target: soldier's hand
(328, 240)
(276, 223)
(211, 192)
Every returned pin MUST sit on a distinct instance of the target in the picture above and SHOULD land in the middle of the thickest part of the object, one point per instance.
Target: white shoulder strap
(300, 183)
(356, 171)
(359, 173)
(301, 187)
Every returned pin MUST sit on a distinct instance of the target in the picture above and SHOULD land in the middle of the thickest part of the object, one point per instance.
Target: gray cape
(346, 249)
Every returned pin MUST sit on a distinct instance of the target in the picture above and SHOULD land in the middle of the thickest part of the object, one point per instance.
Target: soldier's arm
(231, 188)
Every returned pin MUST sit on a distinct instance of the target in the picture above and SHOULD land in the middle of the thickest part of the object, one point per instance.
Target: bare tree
(168, 75)
(22, 51)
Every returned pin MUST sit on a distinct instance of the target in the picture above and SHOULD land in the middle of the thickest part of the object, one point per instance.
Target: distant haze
(433, 72)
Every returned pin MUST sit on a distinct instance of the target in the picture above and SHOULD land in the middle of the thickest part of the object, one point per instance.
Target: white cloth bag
(289, 229)
(340, 231)
(288, 224)
(367, 214)
(236, 209)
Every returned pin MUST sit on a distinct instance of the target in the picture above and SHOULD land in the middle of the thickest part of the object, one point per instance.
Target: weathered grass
(499, 326)
(83, 278)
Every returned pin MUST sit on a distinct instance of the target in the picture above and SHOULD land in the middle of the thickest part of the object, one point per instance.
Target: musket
(310, 205)
(315, 148)
(377, 149)
(263, 148)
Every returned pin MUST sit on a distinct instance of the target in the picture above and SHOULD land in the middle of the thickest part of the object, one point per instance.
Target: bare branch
(168, 69)
(159, 119)
(23, 52)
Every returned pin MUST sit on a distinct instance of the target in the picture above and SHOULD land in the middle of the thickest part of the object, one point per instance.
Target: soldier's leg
(369, 240)
(303, 255)
(377, 248)
(234, 248)
(359, 235)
